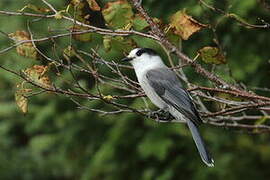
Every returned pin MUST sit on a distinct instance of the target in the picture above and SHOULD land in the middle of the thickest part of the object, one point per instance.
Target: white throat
(146, 63)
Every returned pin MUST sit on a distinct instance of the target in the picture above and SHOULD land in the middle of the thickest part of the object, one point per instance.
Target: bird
(163, 87)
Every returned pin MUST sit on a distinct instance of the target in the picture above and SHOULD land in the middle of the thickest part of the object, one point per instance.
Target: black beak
(127, 59)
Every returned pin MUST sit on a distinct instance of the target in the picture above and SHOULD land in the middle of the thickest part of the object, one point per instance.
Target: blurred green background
(55, 140)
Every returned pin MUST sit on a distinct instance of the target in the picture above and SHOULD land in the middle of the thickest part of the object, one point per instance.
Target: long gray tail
(200, 144)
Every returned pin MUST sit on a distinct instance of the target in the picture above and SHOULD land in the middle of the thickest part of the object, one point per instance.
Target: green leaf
(139, 23)
(118, 42)
(212, 55)
(262, 120)
(173, 38)
(155, 146)
(238, 18)
(86, 37)
(41, 143)
(118, 14)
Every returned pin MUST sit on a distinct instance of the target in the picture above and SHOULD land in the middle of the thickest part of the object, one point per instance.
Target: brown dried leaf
(184, 25)
(25, 49)
(75, 2)
(37, 74)
(21, 101)
(21, 97)
(93, 5)
(19, 36)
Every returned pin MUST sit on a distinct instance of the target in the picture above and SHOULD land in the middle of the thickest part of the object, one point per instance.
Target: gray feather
(167, 85)
(205, 156)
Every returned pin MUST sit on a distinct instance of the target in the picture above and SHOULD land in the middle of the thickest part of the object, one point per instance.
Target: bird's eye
(140, 52)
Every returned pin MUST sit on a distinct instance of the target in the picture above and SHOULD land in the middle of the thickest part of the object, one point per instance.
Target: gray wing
(167, 85)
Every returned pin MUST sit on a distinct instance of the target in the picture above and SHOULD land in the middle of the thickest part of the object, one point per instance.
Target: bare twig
(90, 63)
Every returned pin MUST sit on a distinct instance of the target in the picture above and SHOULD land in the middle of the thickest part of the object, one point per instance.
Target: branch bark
(232, 115)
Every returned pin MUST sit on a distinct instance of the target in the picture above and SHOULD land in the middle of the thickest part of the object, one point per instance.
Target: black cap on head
(146, 50)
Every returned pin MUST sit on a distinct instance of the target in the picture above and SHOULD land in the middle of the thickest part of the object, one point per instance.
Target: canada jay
(164, 89)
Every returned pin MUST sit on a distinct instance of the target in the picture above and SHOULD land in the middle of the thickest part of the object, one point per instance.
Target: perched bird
(164, 89)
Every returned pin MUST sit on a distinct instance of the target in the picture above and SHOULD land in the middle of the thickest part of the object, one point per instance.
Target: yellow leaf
(69, 52)
(107, 43)
(35, 8)
(108, 97)
(262, 120)
(93, 5)
(59, 14)
(184, 25)
(25, 49)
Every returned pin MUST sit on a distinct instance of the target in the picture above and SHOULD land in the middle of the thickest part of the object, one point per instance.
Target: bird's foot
(161, 116)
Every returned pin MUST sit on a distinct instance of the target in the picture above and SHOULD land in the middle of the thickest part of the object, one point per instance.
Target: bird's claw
(161, 116)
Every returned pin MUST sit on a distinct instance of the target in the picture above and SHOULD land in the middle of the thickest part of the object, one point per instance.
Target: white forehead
(133, 52)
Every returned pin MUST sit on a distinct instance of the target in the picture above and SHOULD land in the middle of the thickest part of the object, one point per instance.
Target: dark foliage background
(57, 141)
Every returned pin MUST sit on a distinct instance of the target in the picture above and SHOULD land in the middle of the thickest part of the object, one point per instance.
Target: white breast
(141, 69)
(151, 94)
(149, 91)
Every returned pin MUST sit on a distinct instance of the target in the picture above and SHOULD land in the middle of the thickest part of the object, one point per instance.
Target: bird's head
(141, 57)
